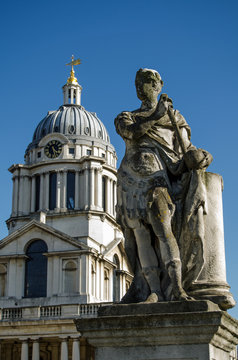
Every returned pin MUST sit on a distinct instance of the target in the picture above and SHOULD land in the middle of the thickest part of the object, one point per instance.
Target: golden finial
(72, 79)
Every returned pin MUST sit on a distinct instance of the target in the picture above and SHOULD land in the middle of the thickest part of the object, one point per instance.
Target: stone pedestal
(161, 331)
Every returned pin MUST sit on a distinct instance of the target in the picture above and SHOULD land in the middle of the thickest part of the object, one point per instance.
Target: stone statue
(165, 201)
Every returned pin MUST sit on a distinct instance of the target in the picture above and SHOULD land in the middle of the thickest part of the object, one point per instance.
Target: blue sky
(193, 44)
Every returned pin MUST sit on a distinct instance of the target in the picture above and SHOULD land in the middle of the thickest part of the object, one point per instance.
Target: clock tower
(64, 254)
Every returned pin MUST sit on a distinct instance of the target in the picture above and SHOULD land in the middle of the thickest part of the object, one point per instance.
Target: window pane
(37, 194)
(36, 270)
(70, 190)
(52, 191)
(70, 277)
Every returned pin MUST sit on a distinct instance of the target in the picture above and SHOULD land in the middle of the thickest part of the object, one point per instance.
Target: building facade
(64, 255)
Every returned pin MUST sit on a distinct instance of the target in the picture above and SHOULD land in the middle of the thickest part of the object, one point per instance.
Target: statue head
(148, 84)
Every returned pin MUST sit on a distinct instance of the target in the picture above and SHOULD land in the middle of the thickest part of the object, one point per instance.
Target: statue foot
(152, 298)
(183, 296)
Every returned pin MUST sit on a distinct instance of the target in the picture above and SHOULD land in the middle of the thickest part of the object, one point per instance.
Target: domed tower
(64, 254)
(69, 170)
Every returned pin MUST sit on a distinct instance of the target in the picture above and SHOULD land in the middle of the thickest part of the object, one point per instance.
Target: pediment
(56, 240)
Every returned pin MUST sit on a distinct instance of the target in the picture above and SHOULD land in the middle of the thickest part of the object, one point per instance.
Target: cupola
(72, 89)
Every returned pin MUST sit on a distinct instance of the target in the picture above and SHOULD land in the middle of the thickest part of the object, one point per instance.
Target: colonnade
(63, 354)
(88, 191)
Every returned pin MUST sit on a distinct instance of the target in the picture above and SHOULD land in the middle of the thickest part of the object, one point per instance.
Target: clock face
(53, 149)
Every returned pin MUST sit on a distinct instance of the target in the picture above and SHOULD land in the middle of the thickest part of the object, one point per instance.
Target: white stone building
(64, 254)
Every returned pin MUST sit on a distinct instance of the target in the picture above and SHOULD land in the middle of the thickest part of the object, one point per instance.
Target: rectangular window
(37, 193)
(70, 197)
(89, 152)
(71, 151)
(52, 191)
(39, 154)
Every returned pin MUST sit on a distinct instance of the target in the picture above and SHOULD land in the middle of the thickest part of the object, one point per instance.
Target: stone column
(99, 188)
(36, 350)
(86, 188)
(58, 190)
(33, 193)
(63, 189)
(72, 96)
(41, 192)
(92, 188)
(76, 190)
(20, 197)
(24, 350)
(26, 194)
(108, 195)
(46, 190)
(15, 195)
(76, 349)
(64, 350)
(115, 197)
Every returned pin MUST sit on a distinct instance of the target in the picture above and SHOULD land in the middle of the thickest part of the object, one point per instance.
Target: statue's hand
(164, 103)
(197, 159)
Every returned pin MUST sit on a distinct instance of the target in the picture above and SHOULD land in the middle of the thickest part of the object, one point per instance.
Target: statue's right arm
(131, 126)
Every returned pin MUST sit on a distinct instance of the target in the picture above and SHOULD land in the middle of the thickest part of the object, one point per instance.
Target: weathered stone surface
(157, 308)
(169, 207)
(175, 330)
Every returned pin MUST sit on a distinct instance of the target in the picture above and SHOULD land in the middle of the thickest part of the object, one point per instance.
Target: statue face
(148, 87)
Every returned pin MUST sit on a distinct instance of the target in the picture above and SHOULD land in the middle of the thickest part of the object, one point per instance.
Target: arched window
(3, 279)
(70, 277)
(36, 270)
(116, 279)
(106, 285)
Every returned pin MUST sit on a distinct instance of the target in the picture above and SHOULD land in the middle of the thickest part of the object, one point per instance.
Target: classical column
(76, 190)
(72, 95)
(41, 192)
(15, 195)
(46, 189)
(76, 349)
(58, 190)
(115, 197)
(86, 188)
(36, 350)
(26, 194)
(92, 187)
(33, 193)
(63, 189)
(24, 350)
(99, 188)
(108, 195)
(64, 350)
(111, 195)
(20, 197)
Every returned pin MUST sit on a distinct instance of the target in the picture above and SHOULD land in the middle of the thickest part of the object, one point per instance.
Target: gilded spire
(72, 79)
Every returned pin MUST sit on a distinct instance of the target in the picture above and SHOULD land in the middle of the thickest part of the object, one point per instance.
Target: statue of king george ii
(169, 207)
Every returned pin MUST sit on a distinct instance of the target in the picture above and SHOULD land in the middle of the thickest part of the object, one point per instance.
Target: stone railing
(44, 312)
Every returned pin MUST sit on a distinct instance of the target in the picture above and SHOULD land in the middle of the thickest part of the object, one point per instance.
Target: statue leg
(149, 262)
(160, 217)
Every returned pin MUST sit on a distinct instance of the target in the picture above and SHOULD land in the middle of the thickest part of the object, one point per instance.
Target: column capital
(24, 339)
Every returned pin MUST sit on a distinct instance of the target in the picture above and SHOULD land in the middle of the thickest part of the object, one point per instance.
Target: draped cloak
(137, 179)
